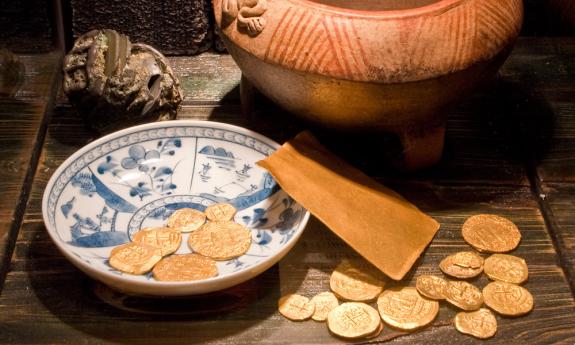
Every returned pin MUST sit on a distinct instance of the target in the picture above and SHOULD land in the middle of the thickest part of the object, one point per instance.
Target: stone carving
(248, 14)
(114, 83)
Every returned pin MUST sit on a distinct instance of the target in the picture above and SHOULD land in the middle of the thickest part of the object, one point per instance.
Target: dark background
(178, 27)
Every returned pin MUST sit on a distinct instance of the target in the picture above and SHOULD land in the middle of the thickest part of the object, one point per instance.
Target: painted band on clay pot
(386, 65)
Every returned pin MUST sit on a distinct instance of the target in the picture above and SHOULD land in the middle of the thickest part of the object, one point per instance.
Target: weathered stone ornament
(114, 83)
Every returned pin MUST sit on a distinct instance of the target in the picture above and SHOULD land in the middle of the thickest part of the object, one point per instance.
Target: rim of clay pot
(439, 6)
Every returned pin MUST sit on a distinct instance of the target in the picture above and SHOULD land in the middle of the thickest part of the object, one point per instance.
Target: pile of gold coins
(409, 308)
(214, 236)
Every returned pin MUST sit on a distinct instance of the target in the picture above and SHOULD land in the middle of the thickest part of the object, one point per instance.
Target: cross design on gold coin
(299, 307)
(506, 293)
(356, 316)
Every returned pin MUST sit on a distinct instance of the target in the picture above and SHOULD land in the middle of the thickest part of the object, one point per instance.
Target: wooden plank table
(510, 150)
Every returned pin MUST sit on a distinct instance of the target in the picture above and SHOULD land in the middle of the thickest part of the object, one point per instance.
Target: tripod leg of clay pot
(247, 96)
(421, 148)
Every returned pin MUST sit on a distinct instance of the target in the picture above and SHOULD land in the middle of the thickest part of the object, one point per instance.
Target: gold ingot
(185, 267)
(508, 299)
(220, 212)
(405, 309)
(221, 240)
(134, 258)
(355, 282)
(431, 286)
(481, 323)
(324, 303)
(490, 233)
(462, 265)
(186, 219)
(167, 240)
(296, 307)
(353, 320)
(463, 295)
(506, 268)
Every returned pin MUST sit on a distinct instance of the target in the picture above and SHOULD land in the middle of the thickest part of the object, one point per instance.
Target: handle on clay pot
(246, 14)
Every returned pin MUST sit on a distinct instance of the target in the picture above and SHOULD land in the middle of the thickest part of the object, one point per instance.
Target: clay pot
(384, 65)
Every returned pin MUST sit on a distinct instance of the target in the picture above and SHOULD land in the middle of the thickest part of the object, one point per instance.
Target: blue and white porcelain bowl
(137, 177)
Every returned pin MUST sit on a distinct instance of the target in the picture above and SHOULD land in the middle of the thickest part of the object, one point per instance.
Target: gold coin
(186, 219)
(324, 303)
(406, 309)
(166, 239)
(463, 295)
(490, 233)
(376, 333)
(506, 268)
(431, 286)
(355, 282)
(178, 268)
(508, 299)
(462, 265)
(353, 320)
(134, 258)
(220, 212)
(221, 240)
(480, 323)
(296, 307)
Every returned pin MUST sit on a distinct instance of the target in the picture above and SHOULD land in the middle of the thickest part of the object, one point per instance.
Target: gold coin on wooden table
(167, 240)
(324, 303)
(406, 309)
(353, 320)
(353, 281)
(376, 333)
(506, 268)
(508, 299)
(462, 265)
(134, 258)
(221, 240)
(185, 267)
(481, 323)
(296, 307)
(431, 286)
(186, 219)
(491, 233)
(220, 212)
(463, 295)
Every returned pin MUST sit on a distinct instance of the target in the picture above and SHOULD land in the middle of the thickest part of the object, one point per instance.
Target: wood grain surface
(22, 128)
(498, 147)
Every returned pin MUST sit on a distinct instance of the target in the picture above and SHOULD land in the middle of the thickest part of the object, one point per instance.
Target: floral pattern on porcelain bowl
(137, 177)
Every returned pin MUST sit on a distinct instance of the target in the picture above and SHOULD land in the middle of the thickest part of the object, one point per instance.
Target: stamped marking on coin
(462, 265)
(463, 295)
(185, 267)
(481, 324)
(134, 258)
(406, 309)
(507, 268)
(353, 281)
(167, 240)
(296, 307)
(186, 219)
(220, 212)
(508, 299)
(221, 240)
(491, 233)
(353, 320)
(324, 303)
(431, 286)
